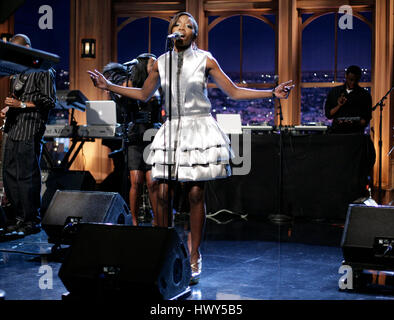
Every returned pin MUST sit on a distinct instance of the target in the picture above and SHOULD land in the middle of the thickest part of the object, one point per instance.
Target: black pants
(22, 178)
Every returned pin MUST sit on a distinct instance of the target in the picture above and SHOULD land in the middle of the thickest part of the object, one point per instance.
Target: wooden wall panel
(196, 8)
(288, 57)
(390, 105)
(383, 72)
(90, 19)
(5, 27)
(333, 4)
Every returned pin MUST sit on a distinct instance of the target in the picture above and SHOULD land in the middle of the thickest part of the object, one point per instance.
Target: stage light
(88, 48)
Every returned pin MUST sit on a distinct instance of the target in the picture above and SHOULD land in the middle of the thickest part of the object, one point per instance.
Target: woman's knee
(196, 196)
(136, 179)
(152, 185)
(162, 193)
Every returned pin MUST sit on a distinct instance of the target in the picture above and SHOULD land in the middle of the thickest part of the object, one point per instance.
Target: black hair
(146, 56)
(139, 71)
(175, 18)
(355, 70)
(115, 72)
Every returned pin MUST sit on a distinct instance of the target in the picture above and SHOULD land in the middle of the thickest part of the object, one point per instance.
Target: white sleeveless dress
(193, 143)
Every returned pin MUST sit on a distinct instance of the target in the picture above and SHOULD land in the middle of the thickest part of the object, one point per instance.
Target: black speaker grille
(364, 226)
(148, 263)
(84, 207)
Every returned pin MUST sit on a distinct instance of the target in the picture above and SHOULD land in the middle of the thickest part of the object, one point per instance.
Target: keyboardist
(349, 105)
(26, 110)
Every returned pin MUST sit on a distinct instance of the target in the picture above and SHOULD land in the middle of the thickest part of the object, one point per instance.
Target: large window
(245, 49)
(327, 50)
(136, 36)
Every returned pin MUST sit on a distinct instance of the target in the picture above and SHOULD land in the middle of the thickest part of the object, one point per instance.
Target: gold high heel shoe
(196, 271)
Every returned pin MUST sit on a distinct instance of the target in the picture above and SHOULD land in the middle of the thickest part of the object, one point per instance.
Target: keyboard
(58, 131)
(17, 59)
(82, 131)
(257, 128)
(98, 131)
(310, 128)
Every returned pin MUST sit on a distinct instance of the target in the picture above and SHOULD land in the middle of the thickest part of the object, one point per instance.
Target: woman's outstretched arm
(237, 93)
(150, 86)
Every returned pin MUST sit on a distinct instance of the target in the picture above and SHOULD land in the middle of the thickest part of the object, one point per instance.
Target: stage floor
(242, 259)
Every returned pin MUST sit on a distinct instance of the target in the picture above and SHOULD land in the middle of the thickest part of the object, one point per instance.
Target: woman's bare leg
(197, 219)
(137, 181)
(162, 204)
(153, 190)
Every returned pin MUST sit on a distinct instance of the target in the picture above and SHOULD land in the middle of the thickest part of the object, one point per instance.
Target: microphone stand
(280, 217)
(124, 148)
(381, 104)
(169, 207)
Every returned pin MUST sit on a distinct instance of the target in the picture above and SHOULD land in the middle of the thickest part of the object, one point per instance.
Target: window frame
(223, 17)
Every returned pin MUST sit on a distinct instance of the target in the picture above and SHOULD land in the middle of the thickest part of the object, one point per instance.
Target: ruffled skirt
(196, 148)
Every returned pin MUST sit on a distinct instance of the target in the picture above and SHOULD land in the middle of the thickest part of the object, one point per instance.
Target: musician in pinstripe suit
(32, 95)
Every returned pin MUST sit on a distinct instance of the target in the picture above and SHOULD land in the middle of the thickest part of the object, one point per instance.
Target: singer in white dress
(192, 142)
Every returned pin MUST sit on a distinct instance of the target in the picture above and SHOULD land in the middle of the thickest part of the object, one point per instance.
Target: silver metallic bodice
(189, 82)
(192, 142)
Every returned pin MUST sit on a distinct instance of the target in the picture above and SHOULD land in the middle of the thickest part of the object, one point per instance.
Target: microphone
(176, 35)
(276, 79)
(345, 93)
(130, 63)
